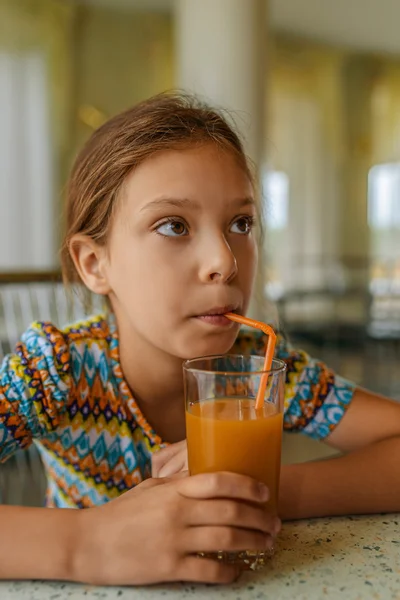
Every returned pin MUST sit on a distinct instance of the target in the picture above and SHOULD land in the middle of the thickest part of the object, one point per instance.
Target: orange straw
(269, 355)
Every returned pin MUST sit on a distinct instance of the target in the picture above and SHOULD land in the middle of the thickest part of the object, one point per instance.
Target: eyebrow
(186, 202)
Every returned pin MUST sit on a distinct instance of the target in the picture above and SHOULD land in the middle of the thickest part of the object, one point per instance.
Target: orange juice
(228, 434)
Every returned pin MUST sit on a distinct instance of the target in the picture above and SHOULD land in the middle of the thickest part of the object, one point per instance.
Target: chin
(218, 344)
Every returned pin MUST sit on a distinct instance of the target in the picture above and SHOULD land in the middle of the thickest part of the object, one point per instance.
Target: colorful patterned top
(65, 390)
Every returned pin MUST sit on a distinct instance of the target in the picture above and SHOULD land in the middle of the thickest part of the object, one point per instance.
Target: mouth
(216, 316)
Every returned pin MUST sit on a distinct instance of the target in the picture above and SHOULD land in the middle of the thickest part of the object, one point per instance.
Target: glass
(225, 432)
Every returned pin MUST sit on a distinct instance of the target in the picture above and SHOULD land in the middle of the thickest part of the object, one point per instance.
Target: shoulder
(93, 328)
(45, 333)
(37, 380)
(47, 344)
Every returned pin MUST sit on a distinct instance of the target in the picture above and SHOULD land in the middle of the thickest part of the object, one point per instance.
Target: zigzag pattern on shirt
(66, 390)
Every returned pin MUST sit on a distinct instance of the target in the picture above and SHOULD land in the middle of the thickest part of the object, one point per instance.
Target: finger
(158, 459)
(156, 481)
(230, 513)
(228, 539)
(223, 485)
(176, 464)
(203, 570)
(147, 484)
(180, 475)
(162, 457)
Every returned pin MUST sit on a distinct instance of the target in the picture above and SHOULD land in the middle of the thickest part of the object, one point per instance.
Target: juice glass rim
(187, 365)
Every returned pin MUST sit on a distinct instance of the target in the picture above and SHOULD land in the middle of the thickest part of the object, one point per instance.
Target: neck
(156, 382)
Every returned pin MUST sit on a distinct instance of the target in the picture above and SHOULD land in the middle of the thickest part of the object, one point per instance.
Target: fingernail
(264, 492)
(164, 472)
(269, 542)
(276, 526)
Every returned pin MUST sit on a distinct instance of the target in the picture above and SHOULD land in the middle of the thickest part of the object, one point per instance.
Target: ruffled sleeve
(35, 384)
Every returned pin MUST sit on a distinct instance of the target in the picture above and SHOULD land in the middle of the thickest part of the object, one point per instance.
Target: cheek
(147, 270)
(247, 259)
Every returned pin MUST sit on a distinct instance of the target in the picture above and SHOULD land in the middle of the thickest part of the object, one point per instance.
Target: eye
(242, 225)
(172, 228)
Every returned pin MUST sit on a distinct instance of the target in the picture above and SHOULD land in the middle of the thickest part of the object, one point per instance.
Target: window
(26, 186)
(276, 203)
(384, 196)
(384, 223)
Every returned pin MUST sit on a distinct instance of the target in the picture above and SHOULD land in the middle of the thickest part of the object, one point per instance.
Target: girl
(160, 216)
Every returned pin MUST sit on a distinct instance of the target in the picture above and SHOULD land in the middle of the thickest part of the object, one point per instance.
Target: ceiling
(371, 25)
(364, 24)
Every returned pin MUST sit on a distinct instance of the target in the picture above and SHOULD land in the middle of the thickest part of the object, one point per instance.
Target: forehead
(201, 172)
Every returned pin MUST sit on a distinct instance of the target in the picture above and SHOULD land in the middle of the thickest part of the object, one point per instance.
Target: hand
(152, 533)
(170, 460)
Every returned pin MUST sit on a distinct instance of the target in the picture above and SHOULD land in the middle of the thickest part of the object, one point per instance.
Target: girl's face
(181, 248)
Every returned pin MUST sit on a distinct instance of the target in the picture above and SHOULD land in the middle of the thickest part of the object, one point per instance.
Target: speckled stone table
(353, 558)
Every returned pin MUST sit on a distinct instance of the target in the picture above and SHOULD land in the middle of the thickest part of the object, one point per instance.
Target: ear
(90, 259)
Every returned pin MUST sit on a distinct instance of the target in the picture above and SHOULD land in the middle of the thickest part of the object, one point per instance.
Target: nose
(217, 261)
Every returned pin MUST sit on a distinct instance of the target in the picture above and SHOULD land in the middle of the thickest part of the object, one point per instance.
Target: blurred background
(314, 87)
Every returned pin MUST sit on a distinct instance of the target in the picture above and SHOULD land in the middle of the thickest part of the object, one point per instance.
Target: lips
(216, 317)
(221, 310)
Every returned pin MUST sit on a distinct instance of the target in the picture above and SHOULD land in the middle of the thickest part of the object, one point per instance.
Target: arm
(34, 388)
(364, 425)
(366, 479)
(115, 543)
(145, 536)
(38, 543)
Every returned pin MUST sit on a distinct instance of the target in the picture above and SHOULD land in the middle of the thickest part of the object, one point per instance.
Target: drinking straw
(269, 355)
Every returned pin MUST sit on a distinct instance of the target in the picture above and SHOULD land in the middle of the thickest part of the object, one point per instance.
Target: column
(221, 50)
(220, 55)
(358, 77)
